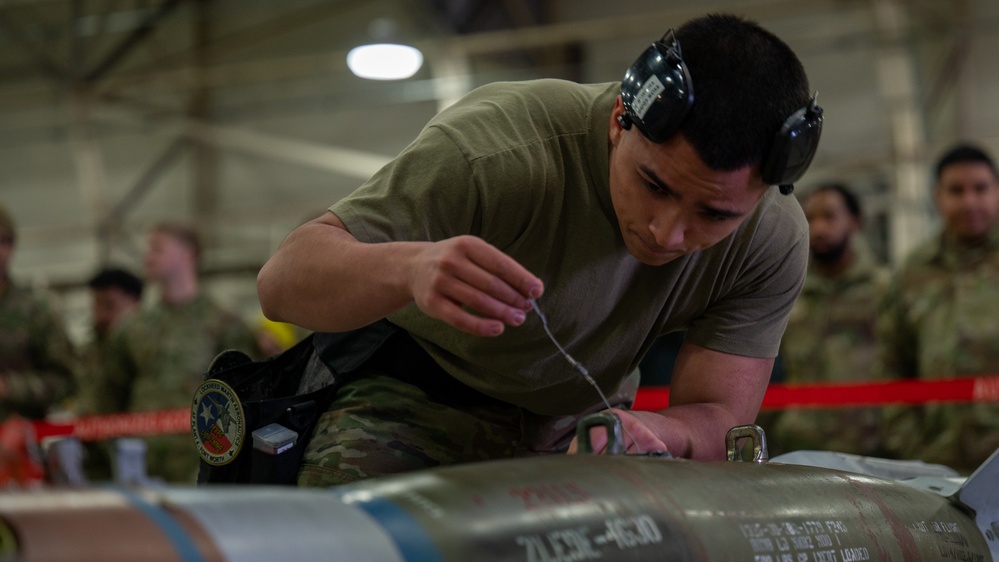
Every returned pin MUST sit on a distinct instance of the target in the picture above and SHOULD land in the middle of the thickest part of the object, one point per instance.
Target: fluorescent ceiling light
(384, 61)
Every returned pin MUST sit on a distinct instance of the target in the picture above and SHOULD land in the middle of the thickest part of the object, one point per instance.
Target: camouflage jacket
(940, 319)
(37, 362)
(830, 334)
(89, 374)
(941, 316)
(155, 359)
(830, 337)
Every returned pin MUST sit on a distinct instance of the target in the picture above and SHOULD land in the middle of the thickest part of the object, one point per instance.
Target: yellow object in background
(275, 337)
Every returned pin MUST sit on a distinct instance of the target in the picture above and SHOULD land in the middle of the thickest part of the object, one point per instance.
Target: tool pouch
(240, 397)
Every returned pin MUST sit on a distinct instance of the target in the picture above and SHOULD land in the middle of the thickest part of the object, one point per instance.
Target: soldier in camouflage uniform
(830, 331)
(941, 316)
(115, 295)
(37, 362)
(157, 357)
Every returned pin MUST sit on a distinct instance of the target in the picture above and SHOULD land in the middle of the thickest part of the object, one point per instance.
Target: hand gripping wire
(578, 366)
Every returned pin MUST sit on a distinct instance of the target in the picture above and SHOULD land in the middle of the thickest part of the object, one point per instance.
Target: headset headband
(657, 93)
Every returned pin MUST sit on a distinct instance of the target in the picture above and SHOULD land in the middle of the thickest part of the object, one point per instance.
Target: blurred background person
(37, 362)
(158, 357)
(830, 335)
(940, 318)
(37, 366)
(115, 294)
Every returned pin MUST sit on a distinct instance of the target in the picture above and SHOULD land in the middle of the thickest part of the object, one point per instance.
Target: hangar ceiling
(240, 115)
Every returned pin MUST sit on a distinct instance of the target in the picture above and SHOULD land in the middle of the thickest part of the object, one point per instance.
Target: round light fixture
(384, 61)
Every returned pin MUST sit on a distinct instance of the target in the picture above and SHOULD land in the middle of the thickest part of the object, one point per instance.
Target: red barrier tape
(135, 424)
(778, 397)
(846, 395)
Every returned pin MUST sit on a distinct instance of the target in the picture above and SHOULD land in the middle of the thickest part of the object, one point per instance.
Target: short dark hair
(746, 83)
(117, 278)
(849, 198)
(965, 153)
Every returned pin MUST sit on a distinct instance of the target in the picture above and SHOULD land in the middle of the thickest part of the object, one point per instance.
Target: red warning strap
(778, 397)
(845, 395)
(132, 424)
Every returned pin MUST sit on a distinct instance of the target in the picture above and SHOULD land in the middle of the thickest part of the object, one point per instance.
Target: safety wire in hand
(579, 367)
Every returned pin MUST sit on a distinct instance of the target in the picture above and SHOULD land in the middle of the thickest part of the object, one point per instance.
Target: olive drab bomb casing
(544, 509)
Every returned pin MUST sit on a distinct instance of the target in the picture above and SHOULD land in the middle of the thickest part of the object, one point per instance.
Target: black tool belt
(240, 397)
(292, 390)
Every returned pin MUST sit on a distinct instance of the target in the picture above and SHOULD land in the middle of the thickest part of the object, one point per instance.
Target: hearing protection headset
(657, 93)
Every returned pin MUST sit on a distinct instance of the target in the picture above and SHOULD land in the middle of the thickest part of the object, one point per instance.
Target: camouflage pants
(379, 425)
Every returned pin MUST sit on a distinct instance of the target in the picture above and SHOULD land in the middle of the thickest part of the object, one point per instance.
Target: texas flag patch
(217, 422)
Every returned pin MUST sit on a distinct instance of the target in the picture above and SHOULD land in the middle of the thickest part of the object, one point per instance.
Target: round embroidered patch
(217, 422)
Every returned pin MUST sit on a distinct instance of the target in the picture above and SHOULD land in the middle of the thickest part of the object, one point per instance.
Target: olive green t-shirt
(525, 167)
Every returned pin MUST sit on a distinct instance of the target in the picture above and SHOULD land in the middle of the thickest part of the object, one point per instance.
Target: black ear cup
(656, 91)
(794, 147)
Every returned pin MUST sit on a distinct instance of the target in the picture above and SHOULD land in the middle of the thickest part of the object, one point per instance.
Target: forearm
(323, 279)
(711, 393)
(695, 431)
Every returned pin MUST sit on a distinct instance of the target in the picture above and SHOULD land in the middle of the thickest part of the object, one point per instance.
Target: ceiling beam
(133, 39)
(35, 51)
